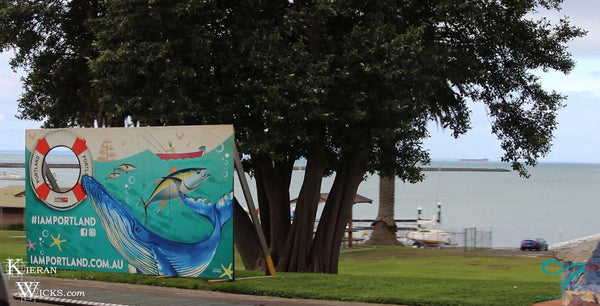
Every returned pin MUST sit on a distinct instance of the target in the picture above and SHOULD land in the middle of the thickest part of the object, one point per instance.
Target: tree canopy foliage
(53, 43)
(348, 85)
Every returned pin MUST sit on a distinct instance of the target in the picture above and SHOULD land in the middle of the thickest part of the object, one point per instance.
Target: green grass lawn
(390, 274)
(12, 244)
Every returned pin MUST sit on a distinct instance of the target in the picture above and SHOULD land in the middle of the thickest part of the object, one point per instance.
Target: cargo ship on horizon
(479, 160)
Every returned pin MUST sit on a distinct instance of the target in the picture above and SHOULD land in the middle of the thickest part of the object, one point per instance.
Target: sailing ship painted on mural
(138, 212)
(106, 152)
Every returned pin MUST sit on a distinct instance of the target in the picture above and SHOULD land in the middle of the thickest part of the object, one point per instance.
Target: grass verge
(394, 275)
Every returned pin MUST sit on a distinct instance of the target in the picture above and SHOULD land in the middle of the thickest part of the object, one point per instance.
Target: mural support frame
(252, 208)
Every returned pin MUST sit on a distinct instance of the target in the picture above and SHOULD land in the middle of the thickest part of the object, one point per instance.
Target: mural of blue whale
(148, 252)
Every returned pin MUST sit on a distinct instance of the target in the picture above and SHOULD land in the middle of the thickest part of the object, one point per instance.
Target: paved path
(104, 293)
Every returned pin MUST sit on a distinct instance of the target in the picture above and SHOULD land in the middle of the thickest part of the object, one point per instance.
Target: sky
(577, 138)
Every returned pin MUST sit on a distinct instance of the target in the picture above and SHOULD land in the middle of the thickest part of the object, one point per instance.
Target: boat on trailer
(427, 236)
(424, 236)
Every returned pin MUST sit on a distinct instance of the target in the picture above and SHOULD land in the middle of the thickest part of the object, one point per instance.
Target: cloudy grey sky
(577, 138)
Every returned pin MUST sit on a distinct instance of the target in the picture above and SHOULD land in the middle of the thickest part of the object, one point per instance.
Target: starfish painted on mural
(227, 271)
(57, 241)
(30, 245)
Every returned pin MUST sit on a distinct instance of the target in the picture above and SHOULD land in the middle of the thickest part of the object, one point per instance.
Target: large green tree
(348, 85)
(52, 41)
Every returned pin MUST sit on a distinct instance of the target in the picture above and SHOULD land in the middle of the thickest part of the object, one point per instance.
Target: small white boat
(429, 236)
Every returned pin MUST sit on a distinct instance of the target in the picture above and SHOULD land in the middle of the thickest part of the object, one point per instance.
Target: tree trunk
(246, 240)
(296, 254)
(384, 227)
(328, 239)
(273, 185)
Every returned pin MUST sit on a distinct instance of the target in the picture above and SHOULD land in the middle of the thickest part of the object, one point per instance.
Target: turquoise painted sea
(558, 202)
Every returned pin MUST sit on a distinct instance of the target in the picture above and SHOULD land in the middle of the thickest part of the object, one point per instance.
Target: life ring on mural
(57, 199)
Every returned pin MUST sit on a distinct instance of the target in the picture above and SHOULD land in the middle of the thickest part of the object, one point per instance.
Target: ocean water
(558, 202)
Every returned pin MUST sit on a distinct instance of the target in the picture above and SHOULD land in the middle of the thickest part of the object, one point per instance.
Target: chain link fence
(472, 239)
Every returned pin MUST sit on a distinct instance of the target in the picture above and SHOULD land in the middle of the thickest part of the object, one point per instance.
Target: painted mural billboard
(154, 200)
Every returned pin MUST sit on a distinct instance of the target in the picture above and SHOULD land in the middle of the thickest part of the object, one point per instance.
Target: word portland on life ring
(59, 199)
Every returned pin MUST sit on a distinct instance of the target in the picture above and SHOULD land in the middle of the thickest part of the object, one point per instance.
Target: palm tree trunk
(384, 227)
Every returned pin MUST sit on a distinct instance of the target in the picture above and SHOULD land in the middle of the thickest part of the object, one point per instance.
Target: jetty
(442, 169)
(447, 169)
(22, 165)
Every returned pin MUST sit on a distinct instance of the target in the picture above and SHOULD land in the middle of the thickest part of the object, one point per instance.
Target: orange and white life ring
(57, 199)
